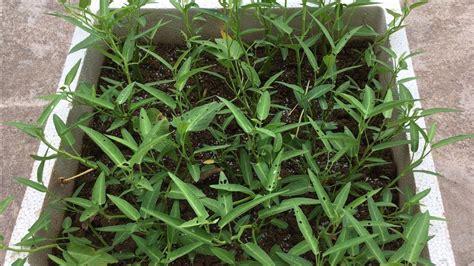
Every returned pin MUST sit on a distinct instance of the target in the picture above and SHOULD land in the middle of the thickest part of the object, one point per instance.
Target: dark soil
(270, 235)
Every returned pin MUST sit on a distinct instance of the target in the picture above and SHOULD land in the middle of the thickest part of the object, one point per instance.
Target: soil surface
(270, 236)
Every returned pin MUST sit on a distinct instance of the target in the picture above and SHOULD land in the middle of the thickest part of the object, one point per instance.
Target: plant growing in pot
(265, 145)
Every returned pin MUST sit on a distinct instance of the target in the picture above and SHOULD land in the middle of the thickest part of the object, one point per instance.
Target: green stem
(32, 250)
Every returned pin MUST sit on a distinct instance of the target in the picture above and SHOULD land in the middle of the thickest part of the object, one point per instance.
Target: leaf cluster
(176, 199)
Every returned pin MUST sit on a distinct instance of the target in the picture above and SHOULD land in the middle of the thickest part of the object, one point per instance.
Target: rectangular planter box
(439, 249)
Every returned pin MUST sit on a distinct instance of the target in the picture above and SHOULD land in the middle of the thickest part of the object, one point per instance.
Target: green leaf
(224, 197)
(280, 24)
(213, 13)
(343, 41)
(181, 251)
(195, 171)
(245, 166)
(354, 102)
(341, 247)
(336, 257)
(416, 240)
(257, 253)
(341, 197)
(57, 260)
(32, 184)
(265, 132)
(72, 73)
(243, 208)
(30, 130)
(84, 203)
(243, 122)
(388, 98)
(125, 94)
(84, 255)
(309, 54)
(263, 106)
(292, 154)
(390, 144)
(371, 244)
(93, 100)
(125, 207)
(432, 111)
(63, 131)
(48, 110)
(211, 148)
(107, 146)
(130, 228)
(414, 136)
(274, 172)
(325, 31)
(300, 248)
(233, 188)
(322, 196)
(191, 198)
(321, 134)
(319, 91)
(98, 191)
(223, 255)
(451, 140)
(90, 41)
(199, 118)
(144, 123)
(150, 250)
(272, 79)
(160, 95)
(377, 216)
(144, 148)
(5, 203)
(293, 259)
(294, 87)
(358, 201)
(368, 101)
(306, 230)
(195, 232)
(286, 205)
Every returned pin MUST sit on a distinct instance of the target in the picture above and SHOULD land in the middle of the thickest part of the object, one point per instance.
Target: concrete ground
(34, 46)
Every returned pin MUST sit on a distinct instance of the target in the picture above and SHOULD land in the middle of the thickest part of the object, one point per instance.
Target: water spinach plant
(270, 150)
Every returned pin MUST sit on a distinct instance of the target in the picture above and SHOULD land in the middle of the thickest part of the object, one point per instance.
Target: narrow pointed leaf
(293, 259)
(245, 207)
(125, 207)
(263, 106)
(377, 216)
(451, 140)
(63, 131)
(105, 145)
(306, 230)
(322, 196)
(371, 244)
(347, 244)
(195, 233)
(191, 198)
(160, 95)
(32, 184)
(257, 253)
(98, 191)
(125, 94)
(242, 120)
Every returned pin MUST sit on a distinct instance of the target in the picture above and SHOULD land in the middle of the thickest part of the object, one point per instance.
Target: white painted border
(439, 247)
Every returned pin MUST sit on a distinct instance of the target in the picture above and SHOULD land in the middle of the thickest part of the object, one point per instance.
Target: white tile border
(439, 247)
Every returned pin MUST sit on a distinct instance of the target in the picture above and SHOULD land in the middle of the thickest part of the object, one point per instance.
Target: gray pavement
(34, 45)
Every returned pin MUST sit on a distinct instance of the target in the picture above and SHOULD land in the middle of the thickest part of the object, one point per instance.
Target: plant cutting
(266, 145)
